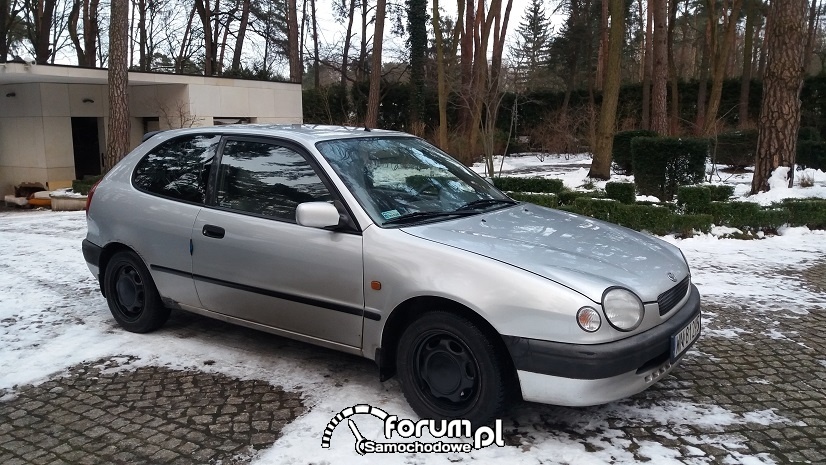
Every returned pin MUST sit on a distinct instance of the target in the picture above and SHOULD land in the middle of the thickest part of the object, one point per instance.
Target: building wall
(36, 125)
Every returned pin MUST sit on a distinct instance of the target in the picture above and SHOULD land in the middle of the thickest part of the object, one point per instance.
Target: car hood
(581, 253)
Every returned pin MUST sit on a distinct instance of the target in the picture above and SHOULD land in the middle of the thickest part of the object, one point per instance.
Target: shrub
(720, 193)
(567, 197)
(625, 192)
(528, 184)
(741, 215)
(621, 151)
(808, 133)
(811, 154)
(736, 148)
(597, 208)
(651, 218)
(82, 186)
(686, 224)
(811, 213)
(663, 163)
(544, 200)
(694, 199)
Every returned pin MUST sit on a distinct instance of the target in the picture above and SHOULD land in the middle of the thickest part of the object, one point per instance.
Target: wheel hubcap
(447, 369)
(129, 292)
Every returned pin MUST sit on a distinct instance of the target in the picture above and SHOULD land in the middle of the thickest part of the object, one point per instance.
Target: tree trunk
(5, 12)
(440, 77)
(761, 67)
(659, 118)
(206, 15)
(417, 30)
(601, 165)
(90, 31)
(117, 143)
(179, 63)
(71, 27)
(143, 60)
(316, 64)
(362, 67)
(292, 42)
(648, 68)
(42, 27)
(603, 44)
(814, 19)
(239, 41)
(466, 69)
(719, 72)
(674, 119)
(745, 78)
(345, 55)
(780, 110)
(708, 48)
(371, 120)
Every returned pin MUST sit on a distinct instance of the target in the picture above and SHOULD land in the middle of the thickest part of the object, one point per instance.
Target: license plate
(681, 341)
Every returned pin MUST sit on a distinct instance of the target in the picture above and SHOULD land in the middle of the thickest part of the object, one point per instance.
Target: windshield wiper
(419, 216)
(482, 203)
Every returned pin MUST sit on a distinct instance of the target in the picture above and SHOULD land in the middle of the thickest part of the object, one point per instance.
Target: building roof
(23, 73)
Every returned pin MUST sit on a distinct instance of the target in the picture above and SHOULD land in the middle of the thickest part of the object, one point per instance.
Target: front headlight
(623, 309)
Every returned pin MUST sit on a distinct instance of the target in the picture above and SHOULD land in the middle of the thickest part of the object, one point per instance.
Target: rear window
(179, 168)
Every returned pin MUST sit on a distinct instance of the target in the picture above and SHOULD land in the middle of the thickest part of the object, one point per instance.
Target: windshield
(404, 180)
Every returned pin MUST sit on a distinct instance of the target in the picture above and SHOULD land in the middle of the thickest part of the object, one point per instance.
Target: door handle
(213, 231)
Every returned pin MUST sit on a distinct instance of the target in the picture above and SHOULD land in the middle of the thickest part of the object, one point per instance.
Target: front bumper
(581, 375)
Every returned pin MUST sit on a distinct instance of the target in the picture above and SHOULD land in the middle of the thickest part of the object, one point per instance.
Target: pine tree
(531, 51)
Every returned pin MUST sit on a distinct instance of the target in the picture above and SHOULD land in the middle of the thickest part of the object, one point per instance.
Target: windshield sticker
(390, 214)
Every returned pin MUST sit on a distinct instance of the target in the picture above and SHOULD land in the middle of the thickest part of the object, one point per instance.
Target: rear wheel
(450, 369)
(131, 294)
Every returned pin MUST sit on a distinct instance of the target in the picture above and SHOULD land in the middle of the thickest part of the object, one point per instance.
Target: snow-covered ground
(52, 316)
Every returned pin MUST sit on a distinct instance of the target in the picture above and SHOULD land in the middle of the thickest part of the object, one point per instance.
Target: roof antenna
(366, 129)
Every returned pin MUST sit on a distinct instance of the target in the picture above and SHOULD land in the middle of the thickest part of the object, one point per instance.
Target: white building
(53, 119)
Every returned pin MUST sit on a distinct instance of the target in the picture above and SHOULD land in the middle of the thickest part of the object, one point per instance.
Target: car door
(158, 226)
(252, 261)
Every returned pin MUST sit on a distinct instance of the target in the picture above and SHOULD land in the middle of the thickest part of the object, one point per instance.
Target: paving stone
(78, 419)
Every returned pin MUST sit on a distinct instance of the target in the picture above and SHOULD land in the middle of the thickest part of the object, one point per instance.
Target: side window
(178, 168)
(267, 179)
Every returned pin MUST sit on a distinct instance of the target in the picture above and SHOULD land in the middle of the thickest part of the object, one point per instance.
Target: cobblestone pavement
(766, 365)
(97, 415)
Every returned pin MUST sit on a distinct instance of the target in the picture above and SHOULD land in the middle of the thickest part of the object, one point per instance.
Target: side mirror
(318, 215)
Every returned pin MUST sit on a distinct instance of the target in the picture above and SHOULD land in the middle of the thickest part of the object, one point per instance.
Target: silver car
(378, 244)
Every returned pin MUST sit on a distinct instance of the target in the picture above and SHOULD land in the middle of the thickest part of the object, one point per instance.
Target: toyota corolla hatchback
(378, 244)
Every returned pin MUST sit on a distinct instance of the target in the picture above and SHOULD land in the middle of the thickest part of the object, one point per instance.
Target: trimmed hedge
(544, 200)
(694, 199)
(720, 192)
(686, 224)
(663, 163)
(621, 152)
(82, 186)
(625, 192)
(811, 154)
(810, 213)
(513, 184)
(736, 148)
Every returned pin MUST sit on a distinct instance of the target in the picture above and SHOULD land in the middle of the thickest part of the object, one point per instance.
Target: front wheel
(131, 294)
(450, 369)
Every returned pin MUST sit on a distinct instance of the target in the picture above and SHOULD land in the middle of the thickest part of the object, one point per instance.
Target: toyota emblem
(672, 277)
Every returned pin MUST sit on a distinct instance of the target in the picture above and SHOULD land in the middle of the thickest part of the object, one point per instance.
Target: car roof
(308, 133)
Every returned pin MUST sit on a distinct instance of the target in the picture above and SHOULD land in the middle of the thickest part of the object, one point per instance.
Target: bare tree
(371, 120)
(117, 144)
(293, 45)
(601, 164)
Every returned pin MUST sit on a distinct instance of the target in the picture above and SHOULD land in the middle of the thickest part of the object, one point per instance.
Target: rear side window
(266, 179)
(178, 168)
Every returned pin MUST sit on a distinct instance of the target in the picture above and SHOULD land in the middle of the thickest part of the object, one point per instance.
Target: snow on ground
(573, 170)
(52, 316)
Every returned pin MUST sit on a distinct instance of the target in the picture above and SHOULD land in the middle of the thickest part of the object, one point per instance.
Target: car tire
(131, 294)
(450, 369)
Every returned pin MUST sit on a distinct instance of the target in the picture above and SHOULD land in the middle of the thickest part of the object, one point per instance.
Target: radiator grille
(668, 299)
